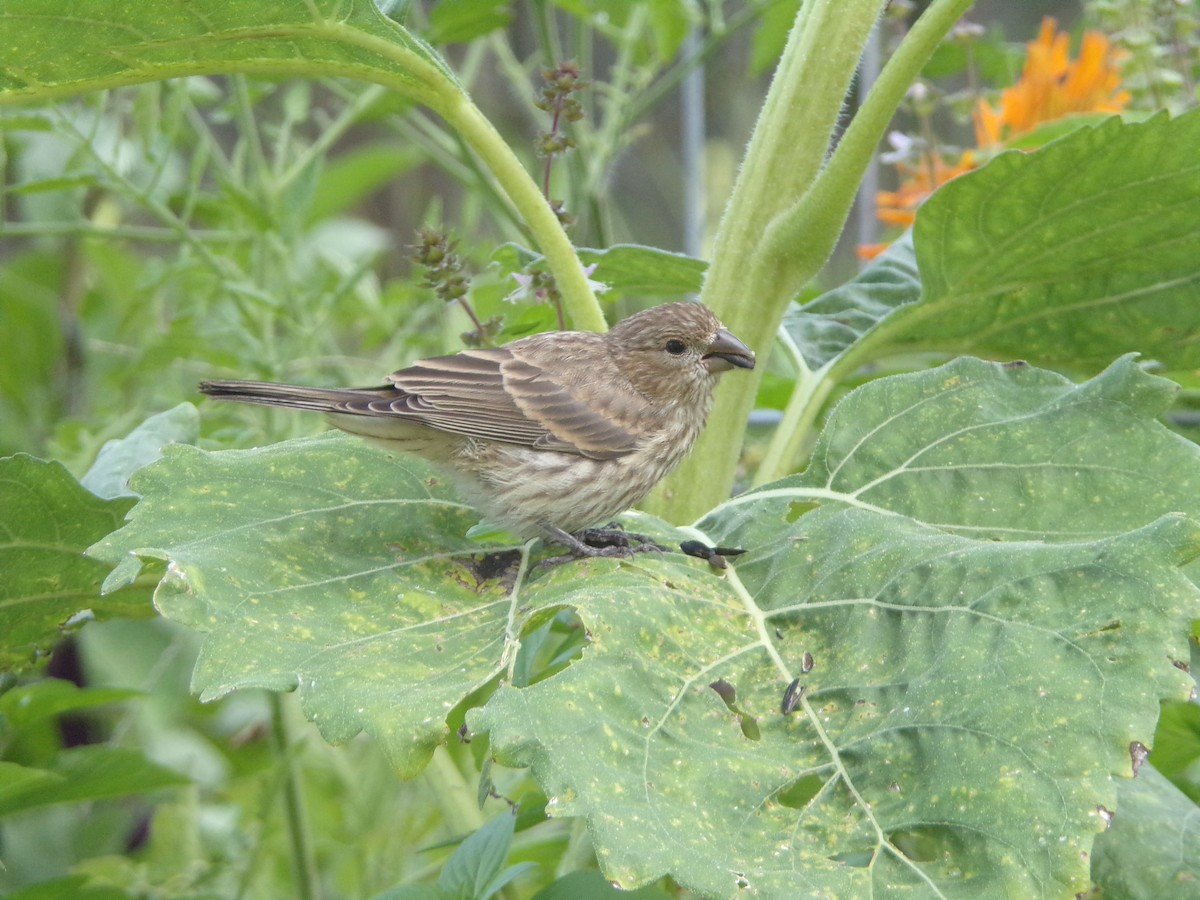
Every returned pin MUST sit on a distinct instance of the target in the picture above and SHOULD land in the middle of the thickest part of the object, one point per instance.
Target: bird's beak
(727, 352)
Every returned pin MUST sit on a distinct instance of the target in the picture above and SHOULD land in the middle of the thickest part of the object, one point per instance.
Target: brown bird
(549, 434)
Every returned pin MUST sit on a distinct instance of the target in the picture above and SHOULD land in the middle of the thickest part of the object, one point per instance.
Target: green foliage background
(975, 579)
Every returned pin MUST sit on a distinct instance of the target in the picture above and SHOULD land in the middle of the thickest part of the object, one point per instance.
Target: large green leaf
(977, 671)
(974, 687)
(129, 43)
(326, 565)
(966, 709)
(1068, 256)
(47, 585)
(1019, 452)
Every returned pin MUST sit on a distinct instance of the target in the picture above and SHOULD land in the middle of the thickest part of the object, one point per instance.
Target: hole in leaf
(798, 793)
(927, 844)
(857, 859)
(797, 508)
(749, 727)
(549, 643)
(728, 695)
(725, 691)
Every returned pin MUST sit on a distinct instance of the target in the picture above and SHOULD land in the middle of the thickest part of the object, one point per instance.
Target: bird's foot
(599, 542)
(613, 535)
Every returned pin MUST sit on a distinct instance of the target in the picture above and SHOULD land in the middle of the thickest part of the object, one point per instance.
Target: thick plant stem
(786, 214)
(785, 155)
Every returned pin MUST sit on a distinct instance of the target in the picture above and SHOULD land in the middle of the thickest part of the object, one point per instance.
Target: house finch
(551, 433)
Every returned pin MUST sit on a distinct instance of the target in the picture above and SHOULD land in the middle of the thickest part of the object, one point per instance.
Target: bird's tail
(293, 396)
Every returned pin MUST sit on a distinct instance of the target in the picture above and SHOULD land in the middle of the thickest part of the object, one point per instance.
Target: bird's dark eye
(675, 347)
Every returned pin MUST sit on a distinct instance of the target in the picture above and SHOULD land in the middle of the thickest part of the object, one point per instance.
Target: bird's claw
(598, 543)
(614, 536)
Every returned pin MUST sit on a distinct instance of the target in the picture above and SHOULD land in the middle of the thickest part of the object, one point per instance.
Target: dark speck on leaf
(502, 565)
(464, 734)
(792, 697)
(1137, 755)
(716, 556)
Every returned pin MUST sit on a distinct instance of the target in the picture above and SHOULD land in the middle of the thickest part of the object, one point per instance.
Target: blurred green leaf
(79, 774)
(30, 703)
(76, 887)
(348, 178)
(771, 34)
(474, 870)
(47, 585)
(118, 460)
(1152, 848)
(670, 21)
(30, 282)
(1176, 753)
(996, 62)
(459, 21)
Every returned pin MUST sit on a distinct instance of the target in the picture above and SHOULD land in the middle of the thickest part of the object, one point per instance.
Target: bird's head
(674, 347)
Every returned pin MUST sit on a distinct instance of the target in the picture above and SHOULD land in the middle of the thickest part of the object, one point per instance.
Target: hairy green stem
(803, 204)
(786, 154)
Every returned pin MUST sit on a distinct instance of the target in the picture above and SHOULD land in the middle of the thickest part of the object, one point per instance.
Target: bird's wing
(496, 395)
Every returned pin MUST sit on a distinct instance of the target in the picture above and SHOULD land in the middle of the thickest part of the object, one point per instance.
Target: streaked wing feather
(571, 424)
(494, 395)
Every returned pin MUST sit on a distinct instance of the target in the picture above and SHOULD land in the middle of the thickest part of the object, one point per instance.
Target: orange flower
(899, 207)
(1052, 86)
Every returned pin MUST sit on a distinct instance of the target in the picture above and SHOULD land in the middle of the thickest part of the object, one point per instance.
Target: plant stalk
(789, 207)
(304, 866)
